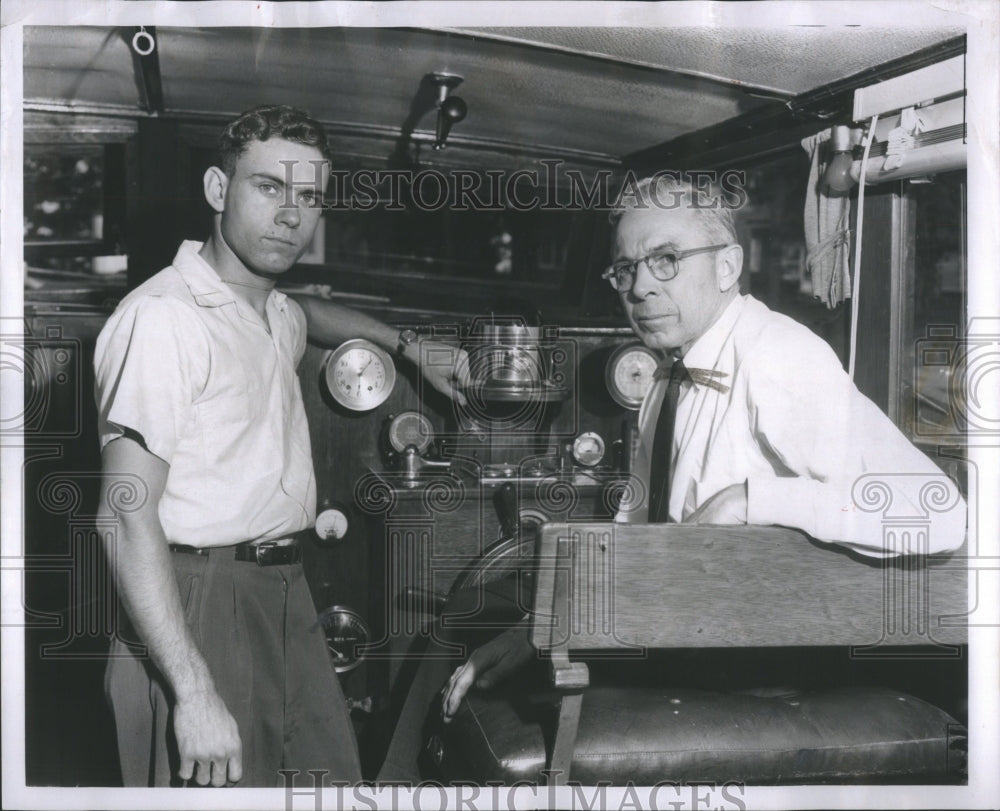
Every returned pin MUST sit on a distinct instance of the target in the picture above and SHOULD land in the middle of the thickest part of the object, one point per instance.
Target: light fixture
(838, 178)
(451, 109)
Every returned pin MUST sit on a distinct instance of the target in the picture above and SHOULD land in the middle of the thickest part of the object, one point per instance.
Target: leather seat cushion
(646, 735)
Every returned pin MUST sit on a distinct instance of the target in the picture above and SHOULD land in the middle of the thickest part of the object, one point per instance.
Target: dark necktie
(659, 469)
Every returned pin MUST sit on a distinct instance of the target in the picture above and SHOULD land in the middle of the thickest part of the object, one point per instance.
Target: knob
(413, 463)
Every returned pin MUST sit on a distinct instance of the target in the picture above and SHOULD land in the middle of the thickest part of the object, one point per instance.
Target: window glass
(771, 229)
(63, 200)
(424, 255)
(934, 357)
(482, 245)
(74, 212)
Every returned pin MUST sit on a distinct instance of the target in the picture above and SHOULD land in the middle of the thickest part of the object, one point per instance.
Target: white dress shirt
(193, 370)
(815, 454)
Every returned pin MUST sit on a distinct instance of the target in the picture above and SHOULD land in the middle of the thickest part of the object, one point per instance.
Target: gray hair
(672, 190)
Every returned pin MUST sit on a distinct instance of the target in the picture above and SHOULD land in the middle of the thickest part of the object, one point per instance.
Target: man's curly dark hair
(269, 121)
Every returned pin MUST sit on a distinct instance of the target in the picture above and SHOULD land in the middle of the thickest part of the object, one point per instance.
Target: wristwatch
(406, 337)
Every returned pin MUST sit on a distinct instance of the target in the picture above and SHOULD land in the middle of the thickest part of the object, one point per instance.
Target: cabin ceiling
(593, 95)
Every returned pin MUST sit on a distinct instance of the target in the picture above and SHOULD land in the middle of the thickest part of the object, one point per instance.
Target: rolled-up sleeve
(150, 360)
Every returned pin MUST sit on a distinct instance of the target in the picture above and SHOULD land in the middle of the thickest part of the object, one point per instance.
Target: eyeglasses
(662, 263)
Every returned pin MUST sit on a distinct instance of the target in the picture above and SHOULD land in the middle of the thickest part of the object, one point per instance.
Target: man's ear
(728, 266)
(215, 182)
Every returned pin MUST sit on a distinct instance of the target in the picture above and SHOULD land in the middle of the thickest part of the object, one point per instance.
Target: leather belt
(265, 553)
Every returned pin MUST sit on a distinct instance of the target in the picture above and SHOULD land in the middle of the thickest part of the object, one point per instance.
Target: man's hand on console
(443, 365)
(208, 740)
(487, 666)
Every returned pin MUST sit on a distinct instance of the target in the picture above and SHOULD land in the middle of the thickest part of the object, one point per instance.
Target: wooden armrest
(569, 676)
(638, 586)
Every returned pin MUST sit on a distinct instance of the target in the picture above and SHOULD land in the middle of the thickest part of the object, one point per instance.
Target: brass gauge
(410, 428)
(588, 449)
(630, 374)
(346, 635)
(359, 375)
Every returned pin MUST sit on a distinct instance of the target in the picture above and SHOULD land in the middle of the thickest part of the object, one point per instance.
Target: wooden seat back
(632, 587)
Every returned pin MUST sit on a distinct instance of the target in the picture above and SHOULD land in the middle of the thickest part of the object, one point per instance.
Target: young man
(207, 472)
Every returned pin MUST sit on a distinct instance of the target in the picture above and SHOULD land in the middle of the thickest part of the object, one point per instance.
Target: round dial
(331, 524)
(629, 374)
(359, 375)
(346, 635)
(410, 428)
(588, 449)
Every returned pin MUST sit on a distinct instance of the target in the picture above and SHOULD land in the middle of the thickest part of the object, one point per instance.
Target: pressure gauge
(410, 428)
(359, 375)
(588, 449)
(630, 374)
(346, 636)
(331, 523)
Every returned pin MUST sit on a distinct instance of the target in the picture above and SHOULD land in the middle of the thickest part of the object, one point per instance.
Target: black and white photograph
(558, 405)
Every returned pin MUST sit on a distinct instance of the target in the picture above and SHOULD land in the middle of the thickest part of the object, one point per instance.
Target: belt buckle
(263, 551)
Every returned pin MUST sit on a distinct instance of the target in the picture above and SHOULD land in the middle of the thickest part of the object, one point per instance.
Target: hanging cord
(856, 286)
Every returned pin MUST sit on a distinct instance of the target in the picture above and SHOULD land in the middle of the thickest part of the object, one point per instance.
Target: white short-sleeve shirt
(194, 372)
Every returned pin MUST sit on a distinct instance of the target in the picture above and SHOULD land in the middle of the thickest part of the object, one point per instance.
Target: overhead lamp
(451, 109)
(840, 177)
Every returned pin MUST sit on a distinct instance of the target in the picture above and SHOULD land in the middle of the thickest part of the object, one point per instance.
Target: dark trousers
(256, 627)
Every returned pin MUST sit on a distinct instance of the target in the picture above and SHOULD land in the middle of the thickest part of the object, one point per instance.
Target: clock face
(630, 374)
(360, 375)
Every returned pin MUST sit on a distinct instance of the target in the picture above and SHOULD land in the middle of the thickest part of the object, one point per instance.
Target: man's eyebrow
(278, 181)
(267, 176)
(665, 246)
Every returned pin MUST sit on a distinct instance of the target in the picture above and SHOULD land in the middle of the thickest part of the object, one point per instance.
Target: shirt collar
(204, 283)
(704, 353)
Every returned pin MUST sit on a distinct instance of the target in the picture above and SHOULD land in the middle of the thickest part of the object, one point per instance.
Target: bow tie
(701, 377)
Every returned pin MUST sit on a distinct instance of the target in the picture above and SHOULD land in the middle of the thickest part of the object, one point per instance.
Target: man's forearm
(331, 323)
(146, 583)
(828, 511)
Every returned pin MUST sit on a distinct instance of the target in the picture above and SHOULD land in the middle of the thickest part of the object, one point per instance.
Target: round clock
(359, 375)
(629, 374)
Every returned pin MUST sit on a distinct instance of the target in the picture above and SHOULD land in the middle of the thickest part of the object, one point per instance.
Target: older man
(753, 421)
(767, 427)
